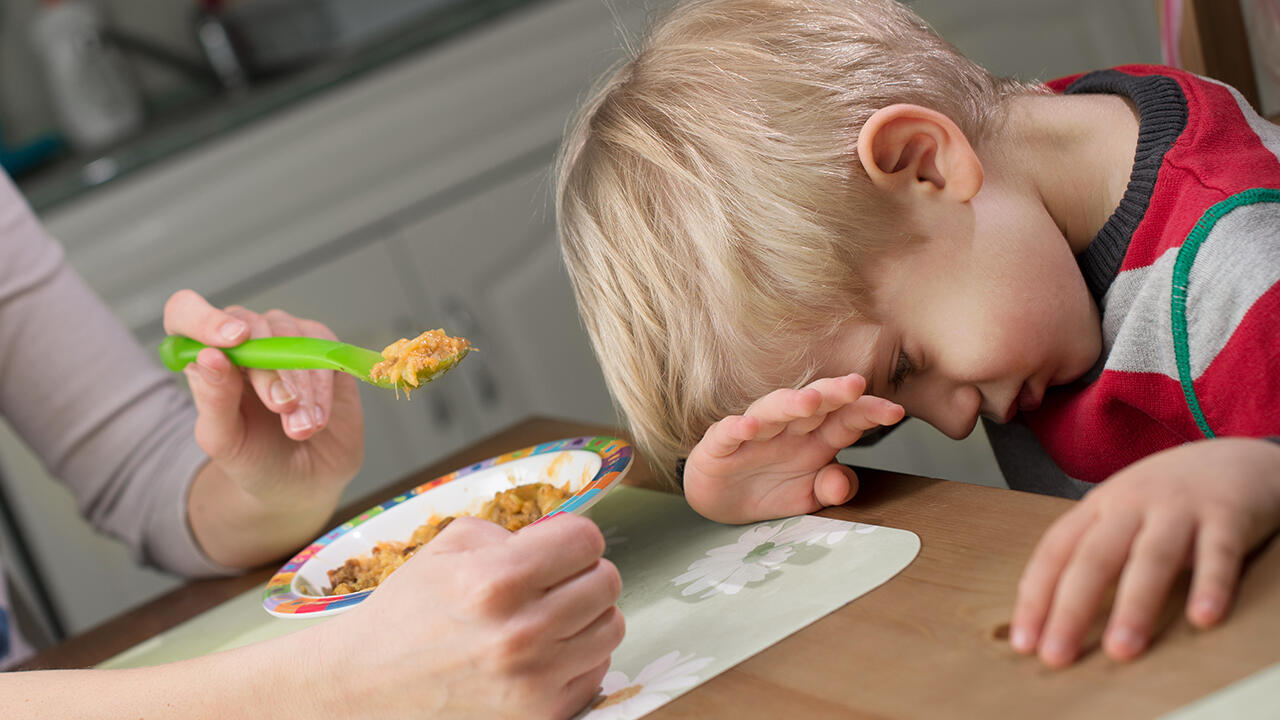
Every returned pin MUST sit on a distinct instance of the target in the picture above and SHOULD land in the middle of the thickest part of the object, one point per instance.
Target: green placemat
(698, 597)
(1256, 697)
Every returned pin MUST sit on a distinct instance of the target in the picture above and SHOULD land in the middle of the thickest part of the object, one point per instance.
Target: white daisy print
(757, 553)
(655, 685)
(729, 568)
(810, 530)
(612, 537)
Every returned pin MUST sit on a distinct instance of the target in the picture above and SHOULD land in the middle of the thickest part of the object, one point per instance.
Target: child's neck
(1076, 153)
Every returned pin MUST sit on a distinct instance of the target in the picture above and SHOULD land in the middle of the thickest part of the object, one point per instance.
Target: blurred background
(383, 167)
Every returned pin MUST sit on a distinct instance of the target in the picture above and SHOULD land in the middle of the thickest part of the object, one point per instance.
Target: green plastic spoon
(297, 353)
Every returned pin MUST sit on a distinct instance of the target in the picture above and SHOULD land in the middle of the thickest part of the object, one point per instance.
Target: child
(824, 195)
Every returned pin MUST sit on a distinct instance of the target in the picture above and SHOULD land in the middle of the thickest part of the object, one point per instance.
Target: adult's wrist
(237, 528)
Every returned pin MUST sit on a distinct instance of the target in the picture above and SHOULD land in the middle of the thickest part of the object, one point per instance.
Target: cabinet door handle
(461, 319)
(441, 413)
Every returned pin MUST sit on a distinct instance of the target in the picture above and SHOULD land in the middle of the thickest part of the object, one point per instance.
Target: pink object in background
(1170, 31)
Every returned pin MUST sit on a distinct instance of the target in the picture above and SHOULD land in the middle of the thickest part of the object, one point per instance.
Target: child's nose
(958, 414)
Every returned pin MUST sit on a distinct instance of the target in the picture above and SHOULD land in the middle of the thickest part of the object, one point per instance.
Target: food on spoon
(512, 509)
(407, 363)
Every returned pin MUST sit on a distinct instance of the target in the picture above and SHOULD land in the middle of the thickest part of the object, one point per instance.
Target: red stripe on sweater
(1217, 157)
(1239, 388)
(1117, 420)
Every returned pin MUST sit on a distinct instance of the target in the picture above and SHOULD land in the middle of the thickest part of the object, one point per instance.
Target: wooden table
(929, 643)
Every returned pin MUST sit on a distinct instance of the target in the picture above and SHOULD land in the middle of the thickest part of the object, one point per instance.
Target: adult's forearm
(267, 677)
(237, 529)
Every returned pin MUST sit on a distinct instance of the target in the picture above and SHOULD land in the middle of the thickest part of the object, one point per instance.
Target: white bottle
(94, 97)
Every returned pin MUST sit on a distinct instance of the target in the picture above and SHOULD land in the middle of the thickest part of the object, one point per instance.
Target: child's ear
(909, 147)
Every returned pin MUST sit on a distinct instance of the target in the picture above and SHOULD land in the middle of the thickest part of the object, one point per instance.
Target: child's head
(715, 214)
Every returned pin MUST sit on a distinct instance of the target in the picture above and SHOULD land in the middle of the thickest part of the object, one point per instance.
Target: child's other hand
(482, 623)
(1205, 503)
(777, 459)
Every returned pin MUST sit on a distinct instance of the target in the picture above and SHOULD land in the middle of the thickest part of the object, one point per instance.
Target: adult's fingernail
(299, 420)
(232, 329)
(280, 393)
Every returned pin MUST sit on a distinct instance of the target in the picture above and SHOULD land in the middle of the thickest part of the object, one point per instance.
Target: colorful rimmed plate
(591, 466)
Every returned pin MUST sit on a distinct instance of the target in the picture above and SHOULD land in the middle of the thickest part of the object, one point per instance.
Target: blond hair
(714, 217)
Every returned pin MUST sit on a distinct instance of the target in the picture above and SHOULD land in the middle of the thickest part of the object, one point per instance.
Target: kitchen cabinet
(415, 197)
(504, 286)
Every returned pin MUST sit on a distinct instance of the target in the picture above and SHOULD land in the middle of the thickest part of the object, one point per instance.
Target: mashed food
(512, 509)
(406, 362)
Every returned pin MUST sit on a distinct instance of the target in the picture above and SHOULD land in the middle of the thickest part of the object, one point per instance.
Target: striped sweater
(1186, 273)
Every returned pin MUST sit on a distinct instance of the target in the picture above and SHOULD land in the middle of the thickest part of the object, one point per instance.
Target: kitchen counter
(208, 116)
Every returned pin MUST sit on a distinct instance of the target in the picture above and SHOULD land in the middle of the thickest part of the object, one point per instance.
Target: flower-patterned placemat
(700, 597)
(691, 588)
(1256, 697)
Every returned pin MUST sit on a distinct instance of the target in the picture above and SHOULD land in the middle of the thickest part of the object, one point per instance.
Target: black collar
(1162, 116)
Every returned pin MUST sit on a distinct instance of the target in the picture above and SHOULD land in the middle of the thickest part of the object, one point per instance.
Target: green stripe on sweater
(1181, 280)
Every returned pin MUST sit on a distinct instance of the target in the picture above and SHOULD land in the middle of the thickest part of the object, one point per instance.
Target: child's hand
(482, 623)
(1206, 504)
(777, 459)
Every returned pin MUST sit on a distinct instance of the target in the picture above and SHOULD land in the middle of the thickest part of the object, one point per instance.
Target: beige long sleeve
(97, 409)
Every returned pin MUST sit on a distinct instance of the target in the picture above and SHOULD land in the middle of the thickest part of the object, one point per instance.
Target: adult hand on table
(778, 458)
(480, 623)
(283, 444)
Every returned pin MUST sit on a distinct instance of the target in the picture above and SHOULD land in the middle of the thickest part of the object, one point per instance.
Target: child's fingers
(1040, 578)
(799, 411)
(725, 436)
(1154, 562)
(843, 427)
(836, 393)
(835, 484)
(780, 408)
(1094, 565)
(843, 389)
(1219, 553)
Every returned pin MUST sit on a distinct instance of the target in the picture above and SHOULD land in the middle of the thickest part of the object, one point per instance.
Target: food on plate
(408, 363)
(513, 509)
